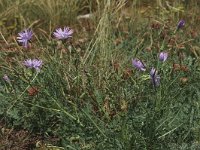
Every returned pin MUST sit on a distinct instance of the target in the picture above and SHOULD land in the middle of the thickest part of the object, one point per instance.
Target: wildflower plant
(181, 24)
(163, 56)
(24, 37)
(138, 64)
(155, 78)
(33, 64)
(62, 34)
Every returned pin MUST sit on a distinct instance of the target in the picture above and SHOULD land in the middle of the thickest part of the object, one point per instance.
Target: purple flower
(63, 34)
(24, 37)
(6, 78)
(138, 64)
(35, 63)
(163, 56)
(180, 24)
(155, 78)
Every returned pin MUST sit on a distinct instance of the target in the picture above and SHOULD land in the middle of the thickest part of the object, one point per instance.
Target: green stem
(68, 114)
(95, 124)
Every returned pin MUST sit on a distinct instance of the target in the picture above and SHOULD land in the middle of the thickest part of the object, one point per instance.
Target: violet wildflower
(181, 23)
(24, 37)
(163, 56)
(6, 78)
(35, 63)
(63, 34)
(138, 64)
(155, 78)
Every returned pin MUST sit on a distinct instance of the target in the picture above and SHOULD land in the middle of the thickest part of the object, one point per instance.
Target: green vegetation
(88, 94)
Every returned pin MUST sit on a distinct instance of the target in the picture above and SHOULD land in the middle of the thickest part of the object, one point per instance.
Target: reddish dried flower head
(32, 91)
(184, 80)
(176, 67)
(184, 68)
(127, 73)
